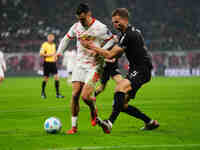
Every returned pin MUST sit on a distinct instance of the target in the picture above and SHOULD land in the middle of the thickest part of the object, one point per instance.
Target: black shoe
(151, 126)
(104, 124)
(59, 96)
(43, 96)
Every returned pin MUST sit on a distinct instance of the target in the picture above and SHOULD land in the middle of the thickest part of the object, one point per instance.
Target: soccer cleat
(43, 95)
(59, 96)
(73, 130)
(151, 126)
(94, 119)
(104, 124)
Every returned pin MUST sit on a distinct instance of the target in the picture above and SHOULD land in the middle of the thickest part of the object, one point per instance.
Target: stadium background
(171, 29)
(172, 32)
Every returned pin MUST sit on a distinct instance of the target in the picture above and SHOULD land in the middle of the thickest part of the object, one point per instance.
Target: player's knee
(85, 97)
(46, 79)
(119, 88)
(125, 106)
(56, 77)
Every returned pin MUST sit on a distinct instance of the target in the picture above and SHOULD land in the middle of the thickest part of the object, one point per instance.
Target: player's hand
(87, 44)
(110, 60)
(58, 54)
(56, 57)
(91, 52)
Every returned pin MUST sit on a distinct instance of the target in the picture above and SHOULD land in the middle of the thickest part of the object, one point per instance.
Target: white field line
(129, 146)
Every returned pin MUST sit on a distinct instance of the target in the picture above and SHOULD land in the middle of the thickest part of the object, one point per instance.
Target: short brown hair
(122, 12)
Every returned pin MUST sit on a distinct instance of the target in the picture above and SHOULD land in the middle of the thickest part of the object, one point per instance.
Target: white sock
(110, 123)
(74, 121)
(151, 122)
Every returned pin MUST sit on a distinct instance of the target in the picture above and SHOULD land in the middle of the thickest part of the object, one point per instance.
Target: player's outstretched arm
(63, 45)
(116, 50)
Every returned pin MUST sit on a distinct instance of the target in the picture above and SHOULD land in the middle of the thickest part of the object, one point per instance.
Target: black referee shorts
(138, 77)
(49, 68)
(110, 70)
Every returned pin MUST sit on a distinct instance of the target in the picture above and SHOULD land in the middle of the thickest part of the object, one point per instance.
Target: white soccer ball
(52, 125)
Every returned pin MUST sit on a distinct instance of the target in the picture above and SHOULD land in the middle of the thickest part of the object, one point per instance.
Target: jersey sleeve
(71, 33)
(105, 34)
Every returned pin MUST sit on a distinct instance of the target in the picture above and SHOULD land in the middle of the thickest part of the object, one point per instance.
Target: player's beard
(83, 22)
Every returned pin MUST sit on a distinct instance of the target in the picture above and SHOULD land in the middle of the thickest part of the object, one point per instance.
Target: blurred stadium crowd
(167, 25)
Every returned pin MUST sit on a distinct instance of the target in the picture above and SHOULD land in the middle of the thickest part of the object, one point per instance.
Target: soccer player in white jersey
(86, 70)
(2, 66)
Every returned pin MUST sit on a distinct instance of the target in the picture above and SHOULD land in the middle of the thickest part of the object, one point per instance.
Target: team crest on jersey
(87, 37)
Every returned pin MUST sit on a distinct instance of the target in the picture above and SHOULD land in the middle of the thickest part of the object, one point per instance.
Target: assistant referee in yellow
(48, 52)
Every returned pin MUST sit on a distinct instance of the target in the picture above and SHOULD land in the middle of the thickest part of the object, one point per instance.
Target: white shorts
(70, 67)
(85, 75)
(1, 73)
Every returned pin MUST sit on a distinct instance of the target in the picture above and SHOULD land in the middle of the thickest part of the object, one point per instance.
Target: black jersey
(136, 52)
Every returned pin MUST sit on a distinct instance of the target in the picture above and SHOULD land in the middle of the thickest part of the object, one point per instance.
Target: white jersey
(97, 31)
(2, 61)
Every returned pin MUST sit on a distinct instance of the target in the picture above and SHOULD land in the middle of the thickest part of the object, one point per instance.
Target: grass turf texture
(174, 102)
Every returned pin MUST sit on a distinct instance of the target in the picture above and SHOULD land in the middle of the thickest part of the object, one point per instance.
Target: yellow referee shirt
(48, 48)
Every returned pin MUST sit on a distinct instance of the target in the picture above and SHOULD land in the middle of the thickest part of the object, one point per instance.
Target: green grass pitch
(174, 102)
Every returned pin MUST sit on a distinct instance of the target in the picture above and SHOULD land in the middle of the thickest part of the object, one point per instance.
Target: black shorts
(138, 77)
(110, 70)
(49, 68)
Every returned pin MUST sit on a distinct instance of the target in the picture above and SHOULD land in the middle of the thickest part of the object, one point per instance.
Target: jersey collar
(92, 22)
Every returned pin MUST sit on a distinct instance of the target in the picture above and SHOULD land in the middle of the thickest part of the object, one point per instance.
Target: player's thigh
(76, 88)
(92, 77)
(56, 77)
(123, 86)
(79, 74)
(46, 69)
(54, 70)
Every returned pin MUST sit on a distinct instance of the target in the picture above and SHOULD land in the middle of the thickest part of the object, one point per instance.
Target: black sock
(43, 86)
(133, 111)
(119, 98)
(57, 87)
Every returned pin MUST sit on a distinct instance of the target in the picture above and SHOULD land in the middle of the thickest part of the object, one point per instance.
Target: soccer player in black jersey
(132, 44)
